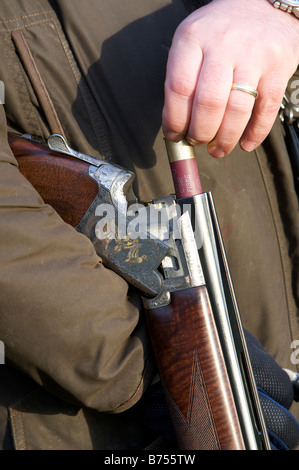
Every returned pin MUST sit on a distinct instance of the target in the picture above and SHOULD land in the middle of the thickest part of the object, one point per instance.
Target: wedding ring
(246, 89)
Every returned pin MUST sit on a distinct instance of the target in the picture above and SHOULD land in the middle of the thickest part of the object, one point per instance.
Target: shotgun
(172, 251)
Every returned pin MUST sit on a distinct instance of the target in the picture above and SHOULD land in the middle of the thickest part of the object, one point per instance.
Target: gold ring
(246, 89)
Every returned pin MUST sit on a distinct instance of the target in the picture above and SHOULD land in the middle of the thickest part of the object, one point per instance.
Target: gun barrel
(228, 320)
(220, 289)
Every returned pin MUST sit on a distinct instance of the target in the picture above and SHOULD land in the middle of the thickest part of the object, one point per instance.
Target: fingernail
(248, 145)
(173, 136)
(215, 151)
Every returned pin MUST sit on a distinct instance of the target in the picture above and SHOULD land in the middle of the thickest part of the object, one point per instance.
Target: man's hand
(229, 41)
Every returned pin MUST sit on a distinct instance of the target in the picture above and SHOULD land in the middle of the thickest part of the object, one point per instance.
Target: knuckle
(276, 51)
(200, 137)
(209, 110)
(273, 99)
(209, 102)
(188, 30)
(260, 129)
(239, 106)
(174, 126)
(181, 86)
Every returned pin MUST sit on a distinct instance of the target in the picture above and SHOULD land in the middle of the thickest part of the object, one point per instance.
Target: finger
(237, 115)
(263, 116)
(210, 100)
(183, 68)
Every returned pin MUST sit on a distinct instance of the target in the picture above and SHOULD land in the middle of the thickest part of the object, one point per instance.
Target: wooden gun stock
(62, 181)
(193, 372)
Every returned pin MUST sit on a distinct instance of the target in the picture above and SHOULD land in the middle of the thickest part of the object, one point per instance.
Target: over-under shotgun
(190, 305)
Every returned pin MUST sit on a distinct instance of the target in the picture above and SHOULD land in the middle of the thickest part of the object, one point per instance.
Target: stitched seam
(95, 117)
(146, 378)
(37, 81)
(26, 16)
(68, 54)
(22, 91)
(48, 20)
(17, 414)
